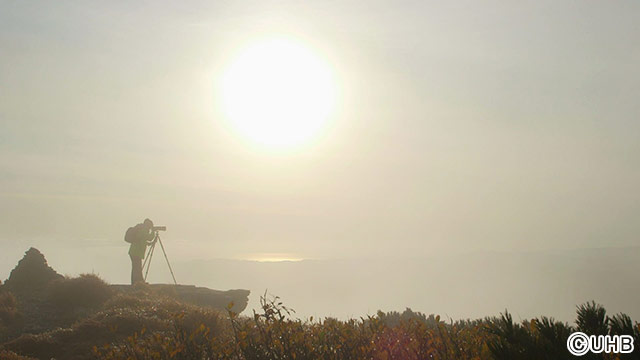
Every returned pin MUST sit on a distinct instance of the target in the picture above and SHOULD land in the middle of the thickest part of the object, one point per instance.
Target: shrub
(124, 301)
(592, 319)
(272, 334)
(84, 291)
(9, 313)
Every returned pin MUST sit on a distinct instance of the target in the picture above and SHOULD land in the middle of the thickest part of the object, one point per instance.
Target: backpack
(130, 235)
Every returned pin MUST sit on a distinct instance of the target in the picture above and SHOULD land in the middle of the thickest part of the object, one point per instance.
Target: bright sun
(278, 93)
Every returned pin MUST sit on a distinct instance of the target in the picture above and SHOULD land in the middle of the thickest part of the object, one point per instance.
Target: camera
(159, 228)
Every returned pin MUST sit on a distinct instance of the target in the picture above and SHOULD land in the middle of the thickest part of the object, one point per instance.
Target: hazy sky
(460, 126)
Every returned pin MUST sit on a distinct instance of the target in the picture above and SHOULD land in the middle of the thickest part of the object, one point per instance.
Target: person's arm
(150, 239)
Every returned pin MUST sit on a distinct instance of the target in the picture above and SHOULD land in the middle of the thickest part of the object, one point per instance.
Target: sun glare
(278, 93)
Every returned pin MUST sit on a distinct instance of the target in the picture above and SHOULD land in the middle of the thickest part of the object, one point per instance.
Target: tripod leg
(151, 250)
(147, 257)
(166, 258)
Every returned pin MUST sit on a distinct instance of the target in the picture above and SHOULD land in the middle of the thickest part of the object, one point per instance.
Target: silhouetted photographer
(139, 237)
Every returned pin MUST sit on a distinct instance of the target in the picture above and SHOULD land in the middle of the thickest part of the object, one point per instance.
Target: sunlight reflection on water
(271, 257)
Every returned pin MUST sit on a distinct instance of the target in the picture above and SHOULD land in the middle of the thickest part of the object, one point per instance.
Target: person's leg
(139, 270)
(136, 270)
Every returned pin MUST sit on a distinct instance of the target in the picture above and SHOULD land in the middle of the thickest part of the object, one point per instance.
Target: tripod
(147, 260)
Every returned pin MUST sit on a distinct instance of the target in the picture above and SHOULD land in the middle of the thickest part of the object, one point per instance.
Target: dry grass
(10, 355)
(119, 317)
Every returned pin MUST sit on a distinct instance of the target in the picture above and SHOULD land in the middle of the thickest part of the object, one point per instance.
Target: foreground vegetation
(80, 318)
(273, 334)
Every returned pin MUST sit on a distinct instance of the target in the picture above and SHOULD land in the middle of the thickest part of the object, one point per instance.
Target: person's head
(148, 224)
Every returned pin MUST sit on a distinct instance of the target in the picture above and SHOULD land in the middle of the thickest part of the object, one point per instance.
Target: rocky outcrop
(236, 300)
(31, 274)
